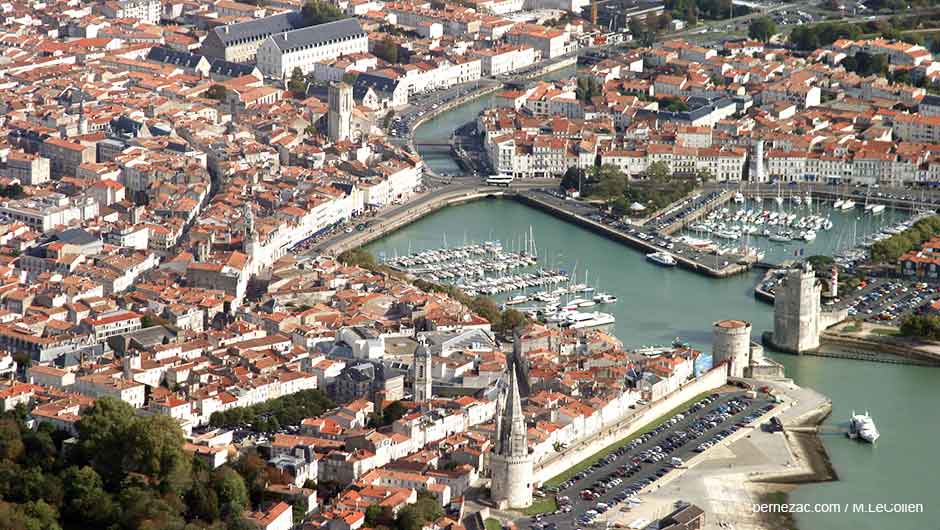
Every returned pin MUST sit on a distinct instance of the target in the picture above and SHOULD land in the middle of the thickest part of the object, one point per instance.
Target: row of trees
(316, 12)
(808, 37)
(658, 189)
(921, 326)
(890, 249)
(124, 472)
(694, 10)
(271, 415)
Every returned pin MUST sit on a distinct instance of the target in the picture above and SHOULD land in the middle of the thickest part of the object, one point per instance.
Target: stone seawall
(714, 378)
(627, 239)
(412, 215)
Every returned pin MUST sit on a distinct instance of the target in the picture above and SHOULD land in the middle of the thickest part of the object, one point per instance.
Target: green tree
(387, 50)
(105, 433)
(512, 319)
(297, 83)
(156, 450)
(230, 489)
(762, 29)
(216, 92)
(315, 12)
(11, 441)
(86, 499)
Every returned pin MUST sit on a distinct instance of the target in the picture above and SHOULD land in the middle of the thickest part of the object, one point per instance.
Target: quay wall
(635, 242)
(412, 215)
(714, 378)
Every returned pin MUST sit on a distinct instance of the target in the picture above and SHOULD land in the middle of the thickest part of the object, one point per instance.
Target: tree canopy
(762, 29)
(316, 12)
(124, 472)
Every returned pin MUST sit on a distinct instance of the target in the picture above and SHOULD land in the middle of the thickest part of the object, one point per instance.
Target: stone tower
(731, 342)
(340, 100)
(757, 169)
(511, 462)
(422, 373)
(796, 311)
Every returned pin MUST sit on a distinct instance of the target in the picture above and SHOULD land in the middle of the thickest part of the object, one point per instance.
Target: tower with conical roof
(511, 462)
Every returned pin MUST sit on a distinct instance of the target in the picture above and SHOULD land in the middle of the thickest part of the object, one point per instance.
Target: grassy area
(888, 332)
(854, 327)
(546, 504)
(589, 461)
(492, 524)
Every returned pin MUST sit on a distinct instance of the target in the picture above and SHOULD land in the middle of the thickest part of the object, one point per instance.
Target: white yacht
(739, 197)
(808, 235)
(662, 258)
(605, 298)
(518, 299)
(877, 208)
(848, 204)
(863, 427)
(779, 237)
(579, 320)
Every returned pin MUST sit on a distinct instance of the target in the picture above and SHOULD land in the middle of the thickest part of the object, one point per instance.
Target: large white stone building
(281, 53)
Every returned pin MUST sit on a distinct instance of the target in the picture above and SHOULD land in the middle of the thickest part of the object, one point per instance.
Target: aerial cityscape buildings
(193, 334)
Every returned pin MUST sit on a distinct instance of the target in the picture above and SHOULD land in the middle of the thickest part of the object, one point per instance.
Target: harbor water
(656, 305)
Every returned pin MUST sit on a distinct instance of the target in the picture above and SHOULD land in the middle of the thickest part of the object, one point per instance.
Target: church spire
(513, 440)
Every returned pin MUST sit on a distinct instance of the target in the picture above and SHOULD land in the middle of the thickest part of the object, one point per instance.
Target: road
(414, 208)
(647, 471)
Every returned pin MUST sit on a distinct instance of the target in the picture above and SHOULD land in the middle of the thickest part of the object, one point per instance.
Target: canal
(657, 305)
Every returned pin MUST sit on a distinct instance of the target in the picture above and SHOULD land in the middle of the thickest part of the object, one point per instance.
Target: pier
(720, 268)
(872, 357)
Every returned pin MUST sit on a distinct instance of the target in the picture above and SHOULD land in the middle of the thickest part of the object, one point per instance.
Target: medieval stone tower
(422, 373)
(511, 463)
(339, 118)
(797, 310)
(731, 342)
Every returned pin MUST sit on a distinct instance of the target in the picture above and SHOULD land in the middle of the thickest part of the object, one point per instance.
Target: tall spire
(512, 431)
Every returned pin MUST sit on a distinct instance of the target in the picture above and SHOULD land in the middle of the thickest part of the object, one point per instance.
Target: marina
(657, 304)
(552, 295)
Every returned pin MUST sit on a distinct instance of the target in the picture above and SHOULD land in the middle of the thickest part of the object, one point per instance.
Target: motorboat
(848, 204)
(863, 427)
(662, 258)
(838, 204)
(877, 208)
(518, 299)
(605, 298)
(739, 197)
(779, 237)
(579, 320)
(808, 235)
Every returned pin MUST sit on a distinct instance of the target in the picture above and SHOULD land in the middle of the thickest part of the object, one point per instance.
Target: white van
(676, 462)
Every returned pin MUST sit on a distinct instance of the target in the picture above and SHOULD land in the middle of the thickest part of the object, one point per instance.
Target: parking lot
(879, 301)
(614, 482)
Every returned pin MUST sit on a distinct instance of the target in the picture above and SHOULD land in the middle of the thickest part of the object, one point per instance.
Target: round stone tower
(731, 342)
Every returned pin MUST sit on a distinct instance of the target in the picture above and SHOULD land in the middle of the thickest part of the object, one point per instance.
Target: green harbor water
(659, 304)
(656, 305)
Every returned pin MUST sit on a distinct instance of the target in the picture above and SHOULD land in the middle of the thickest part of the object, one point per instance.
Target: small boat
(588, 320)
(605, 298)
(518, 299)
(848, 204)
(662, 258)
(838, 204)
(587, 303)
(739, 197)
(863, 427)
(779, 237)
(877, 208)
(808, 235)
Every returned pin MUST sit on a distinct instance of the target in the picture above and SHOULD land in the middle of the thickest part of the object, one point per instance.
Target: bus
(499, 180)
